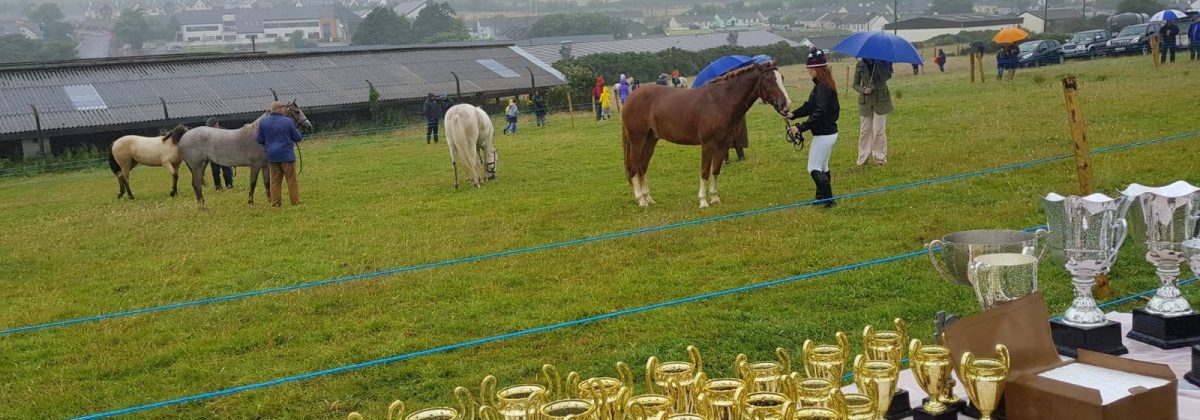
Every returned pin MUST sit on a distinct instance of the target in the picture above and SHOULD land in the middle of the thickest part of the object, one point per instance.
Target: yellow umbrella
(1010, 35)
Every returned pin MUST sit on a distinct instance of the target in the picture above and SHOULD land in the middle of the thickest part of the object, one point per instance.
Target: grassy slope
(374, 203)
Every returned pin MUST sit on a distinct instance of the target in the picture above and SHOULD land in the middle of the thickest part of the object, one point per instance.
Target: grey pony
(235, 147)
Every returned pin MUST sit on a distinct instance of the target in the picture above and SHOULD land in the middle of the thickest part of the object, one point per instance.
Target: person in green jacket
(874, 103)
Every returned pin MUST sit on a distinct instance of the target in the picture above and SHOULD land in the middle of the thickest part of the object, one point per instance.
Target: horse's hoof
(703, 204)
(714, 200)
(650, 200)
(643, 203)
(173, 194)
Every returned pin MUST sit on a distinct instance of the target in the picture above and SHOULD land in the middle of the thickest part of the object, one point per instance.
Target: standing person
(431, 109)
(278, 133)
(1001, 62)
(606, 101)
(940, 60)
(822, 110)
(1013, 61)
(874, 103)
(598, 97)
(539, 108)
(1194, 38)
(916, 69)
(1168, 34)
(217, 170)
(511, 114)
(633, 87)
(623, 90)
(675, 77)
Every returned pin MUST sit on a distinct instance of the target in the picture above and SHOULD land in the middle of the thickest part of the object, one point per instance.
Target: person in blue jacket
(1194, 38)
(278, 135)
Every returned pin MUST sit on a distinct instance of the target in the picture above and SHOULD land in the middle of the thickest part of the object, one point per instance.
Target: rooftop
(1057, 14)
(549, 53)
(955, 21)
(254, 17)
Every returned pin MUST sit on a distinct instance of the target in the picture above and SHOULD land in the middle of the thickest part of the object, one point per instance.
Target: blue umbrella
(1168, 15)
(879, 46)
(720, 66)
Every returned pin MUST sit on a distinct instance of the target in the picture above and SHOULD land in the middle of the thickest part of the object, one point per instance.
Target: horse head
(294, 112)
(770, 88)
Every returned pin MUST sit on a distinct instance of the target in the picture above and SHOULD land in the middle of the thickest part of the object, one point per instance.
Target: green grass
(385, 201)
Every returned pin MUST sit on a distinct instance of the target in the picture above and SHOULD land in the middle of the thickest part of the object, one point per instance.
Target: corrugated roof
(549, 53)
(964, 20)
(243, 16)
(213, 86)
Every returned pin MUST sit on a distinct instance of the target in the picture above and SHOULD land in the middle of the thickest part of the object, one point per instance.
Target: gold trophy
(884, 345)
(835, 410)
(931, 367)
(517, 402)
(877, 379)
(569, 409)
(766, 406)
(648, 407)
(683, 378)
(610, 395)
(827, 361)
(810, 392)
(984, 380)
(859, 407)
(466, 405)
(767, 375)
(718, 398)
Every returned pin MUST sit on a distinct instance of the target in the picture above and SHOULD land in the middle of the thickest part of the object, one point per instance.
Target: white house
(923, 28)
(410, 9)
(197, 5)
(240, 4)
(746, 19)
(680, 23)
(1035, 20)
(995, 7)
(240, 26)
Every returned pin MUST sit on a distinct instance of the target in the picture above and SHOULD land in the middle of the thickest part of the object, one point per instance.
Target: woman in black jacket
(822, 110)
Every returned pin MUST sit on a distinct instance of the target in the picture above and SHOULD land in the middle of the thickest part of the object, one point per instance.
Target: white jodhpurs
(819, 150)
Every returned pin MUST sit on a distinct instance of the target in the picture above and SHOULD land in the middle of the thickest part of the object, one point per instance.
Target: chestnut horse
(711, 116)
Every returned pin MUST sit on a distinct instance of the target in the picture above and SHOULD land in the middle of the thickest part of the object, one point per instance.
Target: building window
(314, 35)
(289, 25)
(206, 28)
(272, 35)
(84, 97)
(193, 39)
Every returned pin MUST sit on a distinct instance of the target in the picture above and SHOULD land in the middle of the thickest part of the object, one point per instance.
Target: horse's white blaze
(779, 81)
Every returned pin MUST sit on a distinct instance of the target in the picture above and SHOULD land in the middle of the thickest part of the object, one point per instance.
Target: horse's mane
(737, 72)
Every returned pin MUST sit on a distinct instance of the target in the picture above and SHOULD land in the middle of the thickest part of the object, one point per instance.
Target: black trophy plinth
(1194, 375)
(958, 406)
(973, 412)
(1104, 339)
(949, 413)
(1165, 332)
(901, 407)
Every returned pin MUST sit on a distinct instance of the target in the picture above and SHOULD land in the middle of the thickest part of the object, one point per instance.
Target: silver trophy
(1170, 215)
(1089, 232)
(959, 248)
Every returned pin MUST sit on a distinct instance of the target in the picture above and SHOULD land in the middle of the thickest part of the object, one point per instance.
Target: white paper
(1112, 384)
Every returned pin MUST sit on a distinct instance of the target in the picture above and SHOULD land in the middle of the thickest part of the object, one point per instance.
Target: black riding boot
(818, 178)
(828, 178)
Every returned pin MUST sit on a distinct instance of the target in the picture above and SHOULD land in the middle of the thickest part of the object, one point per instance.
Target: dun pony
(128, 151)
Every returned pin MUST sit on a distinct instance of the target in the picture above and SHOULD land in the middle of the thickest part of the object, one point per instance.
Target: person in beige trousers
(874, 103)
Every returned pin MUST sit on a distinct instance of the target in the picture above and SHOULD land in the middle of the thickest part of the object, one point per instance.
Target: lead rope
(300, 156)
(797, 140)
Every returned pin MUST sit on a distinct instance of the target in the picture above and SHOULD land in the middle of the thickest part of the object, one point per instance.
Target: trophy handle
(486, 412)
(838, 402)
(791, 385)
(1002, 354)
(354, 416)
(554, 384)
(1042, 235)
(572, 385)
(843, 341)
(859, 360)
(914, 362)
(466, 403)
(806, 353)
(903, 330)
(487, 391)
(636, 412)
(396, 410)
(741, 367)
(651, 366)
(785, 359)
(625, 375)
(1120, 231)
(868, 331)
(973, 270)
(694, 356)
(964, 367)
(938, 264)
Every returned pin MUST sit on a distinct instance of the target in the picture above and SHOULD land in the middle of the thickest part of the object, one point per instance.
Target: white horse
(469, 134)
(683, 83)
(128, 151)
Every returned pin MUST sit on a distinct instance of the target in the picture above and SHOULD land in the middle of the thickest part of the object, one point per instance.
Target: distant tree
(17, 48)
(577, 24)
(438, 21)
(1140, 6)
(943, 7)
(49, 18)
(131, 28)
(381, 27)
(298, 40)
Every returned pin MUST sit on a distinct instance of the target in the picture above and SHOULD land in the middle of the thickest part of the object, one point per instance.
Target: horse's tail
(112, 160)
(462, 144)
(175, 134)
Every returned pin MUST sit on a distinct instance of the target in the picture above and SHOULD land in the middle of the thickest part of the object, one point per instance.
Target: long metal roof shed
(550, 54)
(84, 96)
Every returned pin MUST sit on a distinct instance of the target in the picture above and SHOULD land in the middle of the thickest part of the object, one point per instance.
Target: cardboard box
(1024, 327)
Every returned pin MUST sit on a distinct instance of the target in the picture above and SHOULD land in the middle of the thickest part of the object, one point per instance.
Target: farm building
(53, 106)
(924, 27)
(551, 53)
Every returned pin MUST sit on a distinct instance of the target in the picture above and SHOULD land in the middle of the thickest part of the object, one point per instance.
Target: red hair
(824, 76)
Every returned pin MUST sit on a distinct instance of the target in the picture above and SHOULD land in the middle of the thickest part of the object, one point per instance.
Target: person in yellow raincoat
(606, 102)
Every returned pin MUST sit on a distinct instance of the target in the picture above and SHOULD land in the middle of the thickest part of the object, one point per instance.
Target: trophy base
(949, 413)
(901, 406)
(1104, 339)
(1165, 332)
(973, 412)
(1194, 375)
(958, 406)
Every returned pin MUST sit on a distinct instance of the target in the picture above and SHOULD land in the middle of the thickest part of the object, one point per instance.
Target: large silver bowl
(960, 247)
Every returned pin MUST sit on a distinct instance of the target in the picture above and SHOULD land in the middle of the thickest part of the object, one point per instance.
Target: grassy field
(385, 201)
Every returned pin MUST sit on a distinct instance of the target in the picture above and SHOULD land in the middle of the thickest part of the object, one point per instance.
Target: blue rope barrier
(577, 241)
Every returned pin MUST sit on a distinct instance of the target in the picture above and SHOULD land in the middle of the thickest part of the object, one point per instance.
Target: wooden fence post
(847, 85)
(594, 112)
(973, 67)
(1083, 160)
(982, 77)
(571, 108)
(1155, 47)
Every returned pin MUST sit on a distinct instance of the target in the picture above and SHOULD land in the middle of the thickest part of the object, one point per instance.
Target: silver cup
(1089, 232)
(1002, 277)
(960, 247)
(1170, 216)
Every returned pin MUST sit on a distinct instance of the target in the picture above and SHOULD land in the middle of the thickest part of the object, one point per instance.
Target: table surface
(1180, 361)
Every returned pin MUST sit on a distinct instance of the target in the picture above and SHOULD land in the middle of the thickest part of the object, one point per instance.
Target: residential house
(1036, 21)
(410, 9)
(923, 28)
(101, 12)
(196, 5)
(501, 27)
(998, 7)
(680, 23)
(810, 19)
(746, 20)
(823, 42)
(241, 26)
(19, 28)
(240, 4)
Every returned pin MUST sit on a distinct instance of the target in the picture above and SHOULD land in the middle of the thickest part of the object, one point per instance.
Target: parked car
(1037, 53)
(1133, 39)
(1086, 44)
